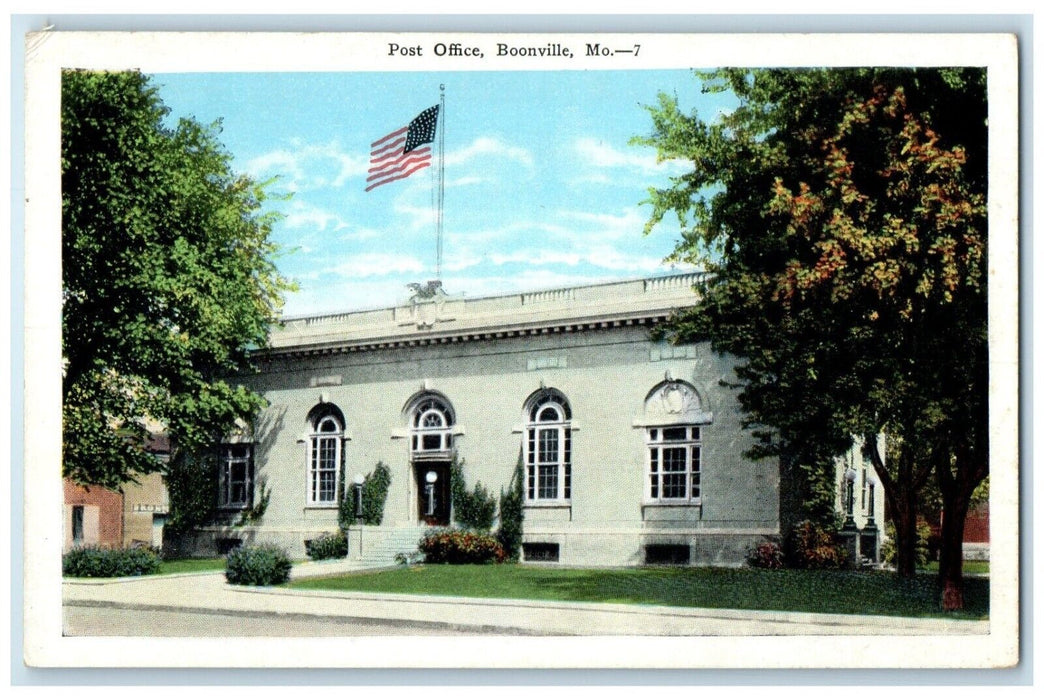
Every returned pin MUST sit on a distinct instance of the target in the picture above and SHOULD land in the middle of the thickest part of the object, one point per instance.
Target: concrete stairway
(381, 544)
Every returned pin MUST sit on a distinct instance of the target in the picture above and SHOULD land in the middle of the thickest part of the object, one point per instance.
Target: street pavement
(180, 605)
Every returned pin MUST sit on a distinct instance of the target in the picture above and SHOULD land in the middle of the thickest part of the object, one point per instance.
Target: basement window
(540, 551)
(667, 554)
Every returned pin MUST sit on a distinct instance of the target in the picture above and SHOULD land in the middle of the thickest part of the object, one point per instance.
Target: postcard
(479, 350)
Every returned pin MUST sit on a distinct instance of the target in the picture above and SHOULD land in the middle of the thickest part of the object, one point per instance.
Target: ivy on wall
(374, 494)
(511, 513)
(475, 509)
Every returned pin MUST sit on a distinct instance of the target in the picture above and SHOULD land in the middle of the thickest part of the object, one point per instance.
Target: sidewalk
(203, 593)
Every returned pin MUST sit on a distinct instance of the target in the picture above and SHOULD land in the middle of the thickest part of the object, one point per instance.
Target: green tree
(167, 278)
(842, 216)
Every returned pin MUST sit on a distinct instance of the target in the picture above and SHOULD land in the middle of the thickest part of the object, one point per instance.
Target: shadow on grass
(840, 592)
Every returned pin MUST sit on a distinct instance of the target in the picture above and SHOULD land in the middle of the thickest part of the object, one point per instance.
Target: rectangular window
(862, 492)
(674, 464)
(540, 551)
(236, 480)
(675, 471)
(667, 554)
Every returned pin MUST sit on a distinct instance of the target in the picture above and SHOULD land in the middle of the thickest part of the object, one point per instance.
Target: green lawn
(186, 566)
(844, 592)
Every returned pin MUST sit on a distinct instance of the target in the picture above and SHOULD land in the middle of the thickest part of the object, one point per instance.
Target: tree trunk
(901, 488)
(956, 487)
(951, 552)
(902, 503)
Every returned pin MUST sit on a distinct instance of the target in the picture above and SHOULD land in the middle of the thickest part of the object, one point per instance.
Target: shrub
(474, 510)
(106, 562)
(767, 555)
(408, 558)
(924, 535)
(327, 546)
(509, 534)
(453, 546)
(259, 565)
(811, 546)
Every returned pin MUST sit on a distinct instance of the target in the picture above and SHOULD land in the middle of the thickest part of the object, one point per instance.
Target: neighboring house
(977, 532)
(92, 516)
(861, 500)
(134, 515)
(632, 449)
(145, 503)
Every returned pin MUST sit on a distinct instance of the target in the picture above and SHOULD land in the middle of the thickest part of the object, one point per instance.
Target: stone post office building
(632, 449)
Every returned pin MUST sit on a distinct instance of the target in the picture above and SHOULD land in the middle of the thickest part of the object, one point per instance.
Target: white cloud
(489, 146)
(374, 265)
(308, 166)
(603, 155)
(464, 181)
(360, 233)
(596, 255)
(460, 260)
(538, 256)
(302, 215)
(628, 223)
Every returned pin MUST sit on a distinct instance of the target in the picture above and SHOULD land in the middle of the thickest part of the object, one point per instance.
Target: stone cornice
(436, 338)
(440, 318)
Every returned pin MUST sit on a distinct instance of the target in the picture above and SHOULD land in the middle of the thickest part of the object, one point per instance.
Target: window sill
(547, 504)
(672, 504)
(321, 506)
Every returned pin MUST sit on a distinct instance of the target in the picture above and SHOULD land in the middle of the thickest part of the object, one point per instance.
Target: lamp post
(871, 532)
(849, 532)
(850, 477)
(431, 477)
(359, 479)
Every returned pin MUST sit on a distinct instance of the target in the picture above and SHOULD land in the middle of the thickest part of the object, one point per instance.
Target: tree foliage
(167, 278)
(842, 213)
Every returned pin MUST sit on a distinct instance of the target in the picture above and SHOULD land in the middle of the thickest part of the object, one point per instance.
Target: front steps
(377, 546)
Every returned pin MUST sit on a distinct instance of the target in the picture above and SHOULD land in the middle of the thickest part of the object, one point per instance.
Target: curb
(405, 623)
(734, 614)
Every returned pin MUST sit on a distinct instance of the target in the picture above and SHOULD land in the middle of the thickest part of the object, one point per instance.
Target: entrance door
(433, 496)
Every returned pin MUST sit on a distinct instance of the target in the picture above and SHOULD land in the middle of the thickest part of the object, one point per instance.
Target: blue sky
(542, 188)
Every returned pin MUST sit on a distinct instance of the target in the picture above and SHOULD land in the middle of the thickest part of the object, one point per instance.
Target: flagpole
(442, 181)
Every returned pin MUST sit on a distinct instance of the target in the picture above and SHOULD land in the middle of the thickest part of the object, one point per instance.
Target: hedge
(93, 561)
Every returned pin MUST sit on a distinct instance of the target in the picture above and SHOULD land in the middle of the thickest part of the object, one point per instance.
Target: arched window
(431, 427)
(325, 454)
(674, 442)
(548, 447)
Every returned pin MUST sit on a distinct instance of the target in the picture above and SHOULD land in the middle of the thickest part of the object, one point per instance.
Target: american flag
(397, 156)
